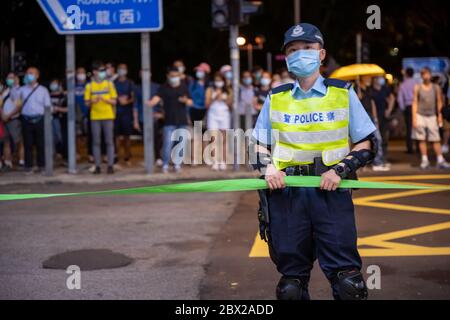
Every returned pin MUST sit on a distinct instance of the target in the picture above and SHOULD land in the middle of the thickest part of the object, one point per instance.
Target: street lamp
(241, 41)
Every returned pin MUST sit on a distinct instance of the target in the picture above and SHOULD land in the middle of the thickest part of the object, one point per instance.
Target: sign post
(70, 18)
(235, 65)
(71, 126)
(149, 156)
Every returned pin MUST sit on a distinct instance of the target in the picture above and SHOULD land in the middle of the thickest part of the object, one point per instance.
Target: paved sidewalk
(124, 174)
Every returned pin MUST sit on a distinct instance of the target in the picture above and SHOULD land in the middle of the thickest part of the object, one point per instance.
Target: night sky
(416, 28)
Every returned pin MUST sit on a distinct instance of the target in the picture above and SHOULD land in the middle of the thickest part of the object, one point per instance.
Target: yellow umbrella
(354, 71)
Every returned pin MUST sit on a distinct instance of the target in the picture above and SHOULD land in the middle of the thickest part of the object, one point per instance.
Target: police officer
(305, 128)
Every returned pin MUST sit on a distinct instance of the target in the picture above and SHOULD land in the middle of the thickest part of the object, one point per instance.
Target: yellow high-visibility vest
(309, 128)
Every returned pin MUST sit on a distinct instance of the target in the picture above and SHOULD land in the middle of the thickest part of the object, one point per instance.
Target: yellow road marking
(387, 248)
(410, 177)
(393, 195)
(402, 207)
(403, 233)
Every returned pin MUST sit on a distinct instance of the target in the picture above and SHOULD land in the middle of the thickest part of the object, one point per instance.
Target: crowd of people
(109, 110)
(425, 109)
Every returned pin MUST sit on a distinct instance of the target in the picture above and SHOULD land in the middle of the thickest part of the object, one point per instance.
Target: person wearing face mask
(384, 102)
(10, 115)
(219, 101)
(123, 125)
(174, 97)
(427, 118)
(82, 110)
(59, 122)
(185, 79)
(197, 88)
(313, 122)
(227, 73)
(365, 95)
(263, 90)
(158, 117)
(257, 73)
(34, 99)
(247, 100)
(111, 72)
(100, 96)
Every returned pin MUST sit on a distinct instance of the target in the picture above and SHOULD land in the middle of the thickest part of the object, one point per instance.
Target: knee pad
(351, 285)
(291, 289)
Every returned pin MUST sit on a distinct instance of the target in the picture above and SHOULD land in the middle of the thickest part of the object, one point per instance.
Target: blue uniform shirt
(360, 125)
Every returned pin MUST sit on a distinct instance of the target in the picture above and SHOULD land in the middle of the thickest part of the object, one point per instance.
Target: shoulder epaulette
(282, 88)
(337, 83)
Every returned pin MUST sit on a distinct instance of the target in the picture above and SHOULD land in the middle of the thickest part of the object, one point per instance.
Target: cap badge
(298, 31)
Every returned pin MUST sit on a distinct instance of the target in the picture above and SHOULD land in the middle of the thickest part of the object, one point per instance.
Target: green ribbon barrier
(224, 186)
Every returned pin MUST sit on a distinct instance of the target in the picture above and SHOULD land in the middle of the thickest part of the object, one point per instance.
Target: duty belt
(313, 169)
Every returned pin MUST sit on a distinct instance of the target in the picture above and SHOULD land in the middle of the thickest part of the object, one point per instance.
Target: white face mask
(174, 81)
(200, 74)
(265, 82)
(122, 72)
(54, 86)
(219, 84)
(81, 76)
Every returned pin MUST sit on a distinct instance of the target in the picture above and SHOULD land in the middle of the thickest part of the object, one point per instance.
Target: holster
(263, 215)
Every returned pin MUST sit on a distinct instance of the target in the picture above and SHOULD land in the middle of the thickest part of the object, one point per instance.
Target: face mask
(174, 81)
(303, 63)
(265, 82)
(122, 72)
(181, 69)
(229, 75)
(81, 77)
(258, 75)
(219, 84)
(109, 72)
(54, 86)
(247, 81)
(9, 82)
(102, 75)
(30, 78)
(200, 74)
(381, 81)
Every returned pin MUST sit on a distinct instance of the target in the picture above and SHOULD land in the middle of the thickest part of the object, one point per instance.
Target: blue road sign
(436, 64)
(103, 16)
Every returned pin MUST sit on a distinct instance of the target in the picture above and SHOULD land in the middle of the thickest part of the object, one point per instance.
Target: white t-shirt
(218, 107)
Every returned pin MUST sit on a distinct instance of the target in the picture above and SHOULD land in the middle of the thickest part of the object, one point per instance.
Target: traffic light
(220, 13)
(20, 63)
(365, 52)
(233, 12)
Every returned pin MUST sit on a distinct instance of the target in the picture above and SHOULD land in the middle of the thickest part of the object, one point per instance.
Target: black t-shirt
(366, 100)
(174, 110)
(380, 97)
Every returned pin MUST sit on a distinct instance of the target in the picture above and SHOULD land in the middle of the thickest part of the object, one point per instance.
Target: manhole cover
(88, 259)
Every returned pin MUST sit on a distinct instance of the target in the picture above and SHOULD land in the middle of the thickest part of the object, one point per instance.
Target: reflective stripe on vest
(305, 156)
(310, 128)
(313, 137)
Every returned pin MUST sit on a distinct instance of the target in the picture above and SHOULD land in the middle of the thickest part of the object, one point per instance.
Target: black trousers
(33, 136)
(308, 223)
(408, 122)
